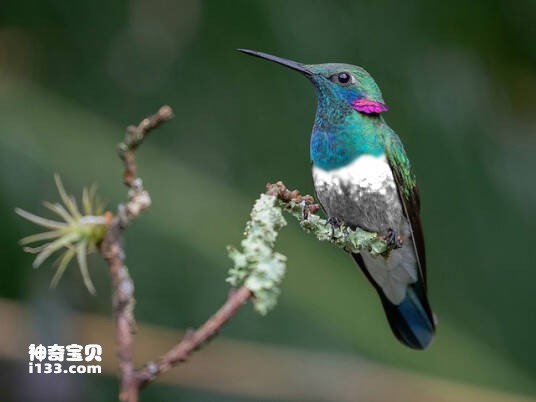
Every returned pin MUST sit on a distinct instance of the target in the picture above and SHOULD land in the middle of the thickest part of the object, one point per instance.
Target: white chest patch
(367, 173)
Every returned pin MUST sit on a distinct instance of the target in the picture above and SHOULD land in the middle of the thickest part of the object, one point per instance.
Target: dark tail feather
(411, 321)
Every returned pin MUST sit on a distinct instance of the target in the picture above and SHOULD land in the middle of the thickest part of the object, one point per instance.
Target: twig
(123, 305)
(194, 339)
(134, 138)
(286, 196)
(256, 263)
(112, 251)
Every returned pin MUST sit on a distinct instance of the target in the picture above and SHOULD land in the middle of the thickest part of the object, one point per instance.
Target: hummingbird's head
(344, 84)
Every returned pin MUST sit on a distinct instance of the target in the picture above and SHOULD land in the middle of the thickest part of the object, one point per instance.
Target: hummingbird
(363, 179)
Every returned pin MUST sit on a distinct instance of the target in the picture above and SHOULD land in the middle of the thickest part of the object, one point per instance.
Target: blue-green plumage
(337, 145)
(362, 177)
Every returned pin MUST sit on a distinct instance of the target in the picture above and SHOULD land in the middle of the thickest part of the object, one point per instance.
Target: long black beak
(287, 63)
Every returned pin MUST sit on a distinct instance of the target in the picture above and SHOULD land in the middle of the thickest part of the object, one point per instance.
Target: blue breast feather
(336, 146)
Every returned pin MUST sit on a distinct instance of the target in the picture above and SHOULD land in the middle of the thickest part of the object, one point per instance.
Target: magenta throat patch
(369, 107)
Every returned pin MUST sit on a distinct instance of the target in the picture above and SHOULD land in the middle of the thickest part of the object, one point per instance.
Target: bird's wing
(409, 197)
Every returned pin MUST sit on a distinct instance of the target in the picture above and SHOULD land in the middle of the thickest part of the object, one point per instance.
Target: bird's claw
(393, 239)
(335, 223)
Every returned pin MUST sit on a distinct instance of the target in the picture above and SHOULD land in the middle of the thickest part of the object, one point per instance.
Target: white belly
(367, 173)
(362, 193)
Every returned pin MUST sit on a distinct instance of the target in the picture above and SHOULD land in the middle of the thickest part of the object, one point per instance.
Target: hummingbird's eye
(342, 78)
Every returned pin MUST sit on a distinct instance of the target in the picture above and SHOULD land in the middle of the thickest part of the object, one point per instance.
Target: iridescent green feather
(399, 161)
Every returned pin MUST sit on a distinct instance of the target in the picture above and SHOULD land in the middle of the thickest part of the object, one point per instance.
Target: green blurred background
(460, 81)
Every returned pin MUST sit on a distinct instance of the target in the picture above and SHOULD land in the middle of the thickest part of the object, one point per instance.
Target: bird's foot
(335, 223)
(393, 239)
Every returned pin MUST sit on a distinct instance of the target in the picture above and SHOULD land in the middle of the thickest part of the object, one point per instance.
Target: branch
(134, 138)
(112, 251)
(258, 270)
(261, 269)
(193, 340)
(303, 208)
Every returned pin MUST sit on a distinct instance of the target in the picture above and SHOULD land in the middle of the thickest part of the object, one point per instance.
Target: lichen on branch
(260, 268)
(257, 266)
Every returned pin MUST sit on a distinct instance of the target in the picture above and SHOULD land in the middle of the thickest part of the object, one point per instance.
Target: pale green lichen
(261, 269)
(353, 241)
(257, 266)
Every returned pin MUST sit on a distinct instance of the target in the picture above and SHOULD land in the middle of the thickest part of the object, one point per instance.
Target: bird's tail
(411, 321)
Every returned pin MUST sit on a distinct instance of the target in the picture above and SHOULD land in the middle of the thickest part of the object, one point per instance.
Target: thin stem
(194, 339)
(112, 251)
(123, 304)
